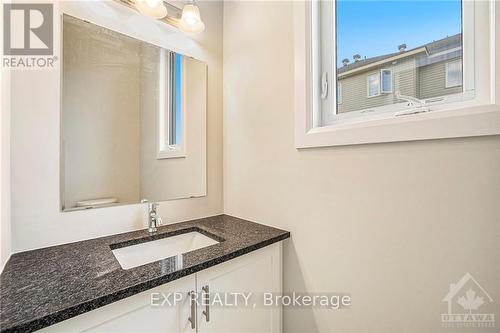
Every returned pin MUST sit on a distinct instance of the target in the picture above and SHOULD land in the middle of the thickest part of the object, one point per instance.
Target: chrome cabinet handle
(192, 318)
(206, 299)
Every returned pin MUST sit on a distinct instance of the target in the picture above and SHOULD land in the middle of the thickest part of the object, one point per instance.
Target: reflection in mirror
(133, 120)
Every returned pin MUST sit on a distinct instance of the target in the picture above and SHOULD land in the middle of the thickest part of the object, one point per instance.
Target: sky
(374, 27)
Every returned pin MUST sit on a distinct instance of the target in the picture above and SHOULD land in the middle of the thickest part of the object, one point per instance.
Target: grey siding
(354, 94)
(432, 81)
(354, 88)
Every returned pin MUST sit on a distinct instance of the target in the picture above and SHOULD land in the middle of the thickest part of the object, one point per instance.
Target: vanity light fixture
(152, 8)
(190, 21)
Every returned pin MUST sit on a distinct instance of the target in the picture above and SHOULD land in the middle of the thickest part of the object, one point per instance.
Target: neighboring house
(428, 71)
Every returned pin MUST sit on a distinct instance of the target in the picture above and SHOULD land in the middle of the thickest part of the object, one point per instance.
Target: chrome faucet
(153, 219)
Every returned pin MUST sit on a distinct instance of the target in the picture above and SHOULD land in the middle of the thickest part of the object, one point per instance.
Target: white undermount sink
(144, 253)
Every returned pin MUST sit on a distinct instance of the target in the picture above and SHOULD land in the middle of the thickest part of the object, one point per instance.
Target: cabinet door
(256, 273)
(137, 314)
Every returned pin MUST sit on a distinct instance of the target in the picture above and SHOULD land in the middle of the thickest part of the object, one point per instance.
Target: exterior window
(339, 93)
(453, 74)
(406, 63)
(373, 85)
(386, 79)
(394, 65)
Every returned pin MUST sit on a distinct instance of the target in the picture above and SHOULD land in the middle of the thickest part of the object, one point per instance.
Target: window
(408, 62)
(175, 108)
(170, 106)
(386, 78)
(453, 74)
(380, 83)
(373, 82)
(387, 54)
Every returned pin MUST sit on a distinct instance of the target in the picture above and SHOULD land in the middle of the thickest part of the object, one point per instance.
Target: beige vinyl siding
(354, 88)
(432, 82)
(405, 78)
(355, 95)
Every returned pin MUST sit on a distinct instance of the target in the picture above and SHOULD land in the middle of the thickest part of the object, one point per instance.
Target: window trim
(322, 60)
(477, 116)
(447, 80)
(376, 74)
(164, 149)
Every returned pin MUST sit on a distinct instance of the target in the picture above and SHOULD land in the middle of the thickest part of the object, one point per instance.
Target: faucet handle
(159, 221)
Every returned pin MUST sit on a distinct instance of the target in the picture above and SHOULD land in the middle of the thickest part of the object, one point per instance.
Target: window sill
(171, 152)
(464, 122)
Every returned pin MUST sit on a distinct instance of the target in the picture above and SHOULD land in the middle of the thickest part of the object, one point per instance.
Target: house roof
(434, 47)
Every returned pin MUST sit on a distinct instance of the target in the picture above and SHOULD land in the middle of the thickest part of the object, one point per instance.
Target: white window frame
(447, 80)
(163, 147)
(382, 90)
(377, 75)
(476, 115)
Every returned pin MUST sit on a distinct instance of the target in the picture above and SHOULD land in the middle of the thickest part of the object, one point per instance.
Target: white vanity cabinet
(252, 274)
(135, 314)
(249, 276)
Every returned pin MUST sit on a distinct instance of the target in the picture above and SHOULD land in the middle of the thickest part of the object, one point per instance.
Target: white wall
(36, 219)
(391, 224)
(497, 38)
(5, 221)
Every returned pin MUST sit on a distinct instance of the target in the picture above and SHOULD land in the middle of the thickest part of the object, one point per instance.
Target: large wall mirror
(133, 119)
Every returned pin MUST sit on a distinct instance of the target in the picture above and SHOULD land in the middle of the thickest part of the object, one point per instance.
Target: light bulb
(153, 3)
(152, 8)
(191, 21)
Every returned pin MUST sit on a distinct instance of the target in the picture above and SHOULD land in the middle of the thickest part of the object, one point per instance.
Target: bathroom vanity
(103, 285)
(132, 126)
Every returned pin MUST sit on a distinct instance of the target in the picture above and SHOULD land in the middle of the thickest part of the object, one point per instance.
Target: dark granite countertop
(41, 287)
